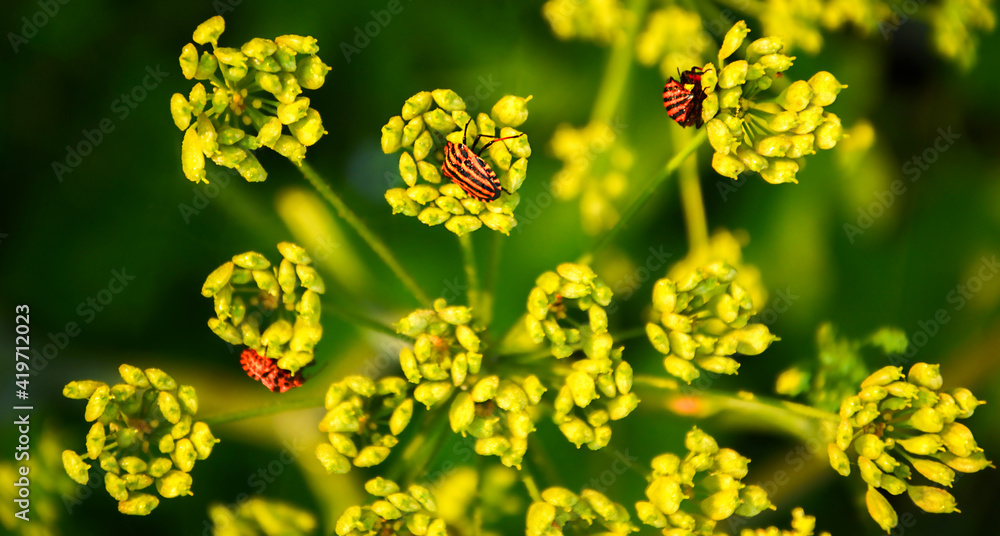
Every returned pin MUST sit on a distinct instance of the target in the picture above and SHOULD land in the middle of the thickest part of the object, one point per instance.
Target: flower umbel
(770, 137)
(590, 512)
(597, 387)
(702, 320)
(144, 433)
(899, 422)
(362, 421)
(256, 92)
(404, 513)
(596, 162)
(261, 516)
(500, 412)
(693, 494)
(431, 119)
(274, 310)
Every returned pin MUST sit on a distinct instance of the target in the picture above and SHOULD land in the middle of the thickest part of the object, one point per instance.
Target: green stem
(797, 419)
(488, 297)
(619, 62)
(691, 200)
(529, 483)
(366, 234)
(471, 274)
(363, 321)
(672, 165)
(280, 406)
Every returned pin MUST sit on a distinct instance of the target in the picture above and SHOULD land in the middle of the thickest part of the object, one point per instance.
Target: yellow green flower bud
(796, 96)
(392, 135)
(763, 47)
(931, 499)
(511, 111)
(734, 74)
(966, 464)
(138, 504)
(719, 136)
(665, 494)
(189, 61)
(184, 454)
(958, 439)
(924, 445)
(174, 484)
(115, 486)
(448, 99)
(870, 472)
(541, 516)
(193, 157)
(423, 145)
(498, 222)
(926, 375)
(431, 393)
(577, 431)
(311, 72)
(780, 170)
(97, 403)
(838, 460)
(371, 456)
(829, 132)
(727, 165)
(880, 509)
(825, 88)
(439, 121)
(169, 406)
(463, 225)
(732, 41)
(209, 31)
(416, 105)
(75, 467)
(331, 460)
(802, 145)
(680, 368)
(869, 446)
(82, 389)
(775, 63)
(753, 500)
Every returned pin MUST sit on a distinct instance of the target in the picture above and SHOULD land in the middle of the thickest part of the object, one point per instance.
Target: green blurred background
(122, 208)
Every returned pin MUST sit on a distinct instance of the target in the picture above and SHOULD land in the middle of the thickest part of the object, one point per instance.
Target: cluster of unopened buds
(256, 91)
(702, 320)
(273, 310)
(438, 137)
(363, 419)
(144, 433)
(747, 133)
(901, 421)
(394, 511)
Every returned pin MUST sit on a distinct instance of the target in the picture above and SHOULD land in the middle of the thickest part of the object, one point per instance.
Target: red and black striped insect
(466, 169)
(266, 371)
(682, 104)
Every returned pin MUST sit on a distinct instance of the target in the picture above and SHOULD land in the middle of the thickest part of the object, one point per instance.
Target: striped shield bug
(267, 372)
(682, 104)
(466, 169)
